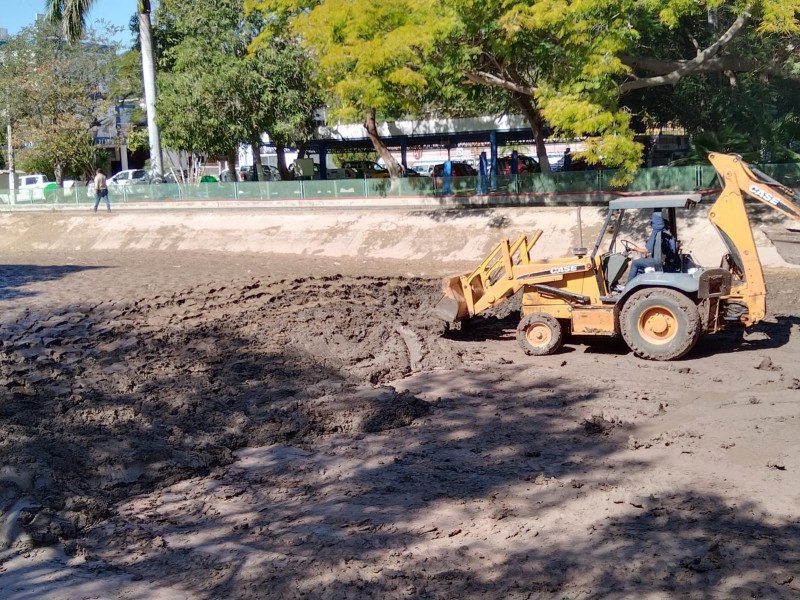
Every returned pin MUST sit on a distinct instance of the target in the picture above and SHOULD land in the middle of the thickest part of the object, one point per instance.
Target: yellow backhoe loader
(661, 312)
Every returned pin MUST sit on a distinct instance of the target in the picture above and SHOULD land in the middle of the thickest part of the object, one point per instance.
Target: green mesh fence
(677, 179)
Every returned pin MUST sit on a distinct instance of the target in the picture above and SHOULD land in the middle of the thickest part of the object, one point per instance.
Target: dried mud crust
(104, 401)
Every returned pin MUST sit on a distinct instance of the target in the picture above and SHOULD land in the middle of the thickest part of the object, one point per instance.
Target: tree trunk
(280, 152)
(301, 153)
(394, 168)
(258, 169)
(233, 175)
(522, 96)
(58, 171)
(149, 79)
(534, 117)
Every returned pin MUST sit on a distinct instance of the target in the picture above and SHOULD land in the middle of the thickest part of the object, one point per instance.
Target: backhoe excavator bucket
(787, 243)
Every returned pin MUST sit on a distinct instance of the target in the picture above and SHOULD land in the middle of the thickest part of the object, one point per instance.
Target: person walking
(100, 190)
(566, 165)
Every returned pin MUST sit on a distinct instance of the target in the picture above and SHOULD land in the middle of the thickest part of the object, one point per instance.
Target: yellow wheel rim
(658, 325)
(538, 334)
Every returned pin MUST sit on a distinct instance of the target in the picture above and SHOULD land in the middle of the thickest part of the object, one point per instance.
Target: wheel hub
(538, 334)
(658, 325)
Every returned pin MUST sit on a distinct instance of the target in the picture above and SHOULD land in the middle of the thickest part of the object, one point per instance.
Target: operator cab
(615, 251)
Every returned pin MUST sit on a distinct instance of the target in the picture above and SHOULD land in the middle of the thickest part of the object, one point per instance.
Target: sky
(16, 14)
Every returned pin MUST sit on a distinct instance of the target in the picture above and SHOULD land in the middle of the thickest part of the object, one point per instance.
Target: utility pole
(12, 175)
(149, 79)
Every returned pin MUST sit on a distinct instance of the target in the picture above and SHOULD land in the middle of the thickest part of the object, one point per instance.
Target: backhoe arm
(730, 218)
(756, 184)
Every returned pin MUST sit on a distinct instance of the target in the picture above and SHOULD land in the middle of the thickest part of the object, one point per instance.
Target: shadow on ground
(15, 277)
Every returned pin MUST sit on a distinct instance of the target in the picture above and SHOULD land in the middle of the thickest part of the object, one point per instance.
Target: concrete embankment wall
(397, 232)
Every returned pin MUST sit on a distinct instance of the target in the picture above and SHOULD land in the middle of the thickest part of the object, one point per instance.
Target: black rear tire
(539, 334)
(660, 324)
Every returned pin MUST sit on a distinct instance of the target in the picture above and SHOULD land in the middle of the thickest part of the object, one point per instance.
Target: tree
(478, 52)
(368, 54)
(56, 98)
(72, 15)
(602, 51)
(748, 114)
(215, 93)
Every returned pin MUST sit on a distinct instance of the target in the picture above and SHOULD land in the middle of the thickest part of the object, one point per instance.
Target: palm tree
(72, 14)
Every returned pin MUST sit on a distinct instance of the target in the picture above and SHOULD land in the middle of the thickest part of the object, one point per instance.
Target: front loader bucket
(787, 243)
(452, 307)
(491, 282)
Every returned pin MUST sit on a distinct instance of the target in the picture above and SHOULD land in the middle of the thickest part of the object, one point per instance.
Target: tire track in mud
(102, 401)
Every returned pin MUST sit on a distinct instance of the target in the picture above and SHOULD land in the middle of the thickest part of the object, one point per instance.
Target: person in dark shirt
(566, 165)
(668, 247)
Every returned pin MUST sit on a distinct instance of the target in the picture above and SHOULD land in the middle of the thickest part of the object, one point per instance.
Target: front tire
(539, 334)
(660, 324)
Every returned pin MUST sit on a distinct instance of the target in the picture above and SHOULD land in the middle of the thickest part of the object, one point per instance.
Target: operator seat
(613, 267)
(658, 252)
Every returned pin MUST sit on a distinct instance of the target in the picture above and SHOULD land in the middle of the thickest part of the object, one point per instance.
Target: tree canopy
(71, 16)
(569, 66)
(369, 54)
(599, 71)
(55, 98)
(214, 93)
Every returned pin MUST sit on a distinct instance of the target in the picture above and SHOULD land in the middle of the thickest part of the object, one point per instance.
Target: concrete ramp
(442, 235)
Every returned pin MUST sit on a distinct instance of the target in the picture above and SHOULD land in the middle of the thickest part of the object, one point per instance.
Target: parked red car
(525, 164)
(459, 169)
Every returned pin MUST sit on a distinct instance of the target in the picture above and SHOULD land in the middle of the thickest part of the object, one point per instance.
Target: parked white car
(131, 176)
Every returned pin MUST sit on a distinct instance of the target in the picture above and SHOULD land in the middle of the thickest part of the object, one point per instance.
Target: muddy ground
(205, 426)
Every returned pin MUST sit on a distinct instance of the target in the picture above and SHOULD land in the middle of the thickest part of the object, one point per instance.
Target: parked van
(32, 181)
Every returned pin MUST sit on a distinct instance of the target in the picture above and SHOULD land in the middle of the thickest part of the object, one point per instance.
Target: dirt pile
(104, 401)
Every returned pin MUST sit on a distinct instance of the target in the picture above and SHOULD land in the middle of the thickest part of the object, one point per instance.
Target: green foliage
(749, 111)
(569, 57)
(215, 93)
(369, 54)
(774, 146)
(725, 140)
(137, 139)
(341, 157)
(56, 97)
(36, 163)
(66, 150)
(126, 81)
(581, 64)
